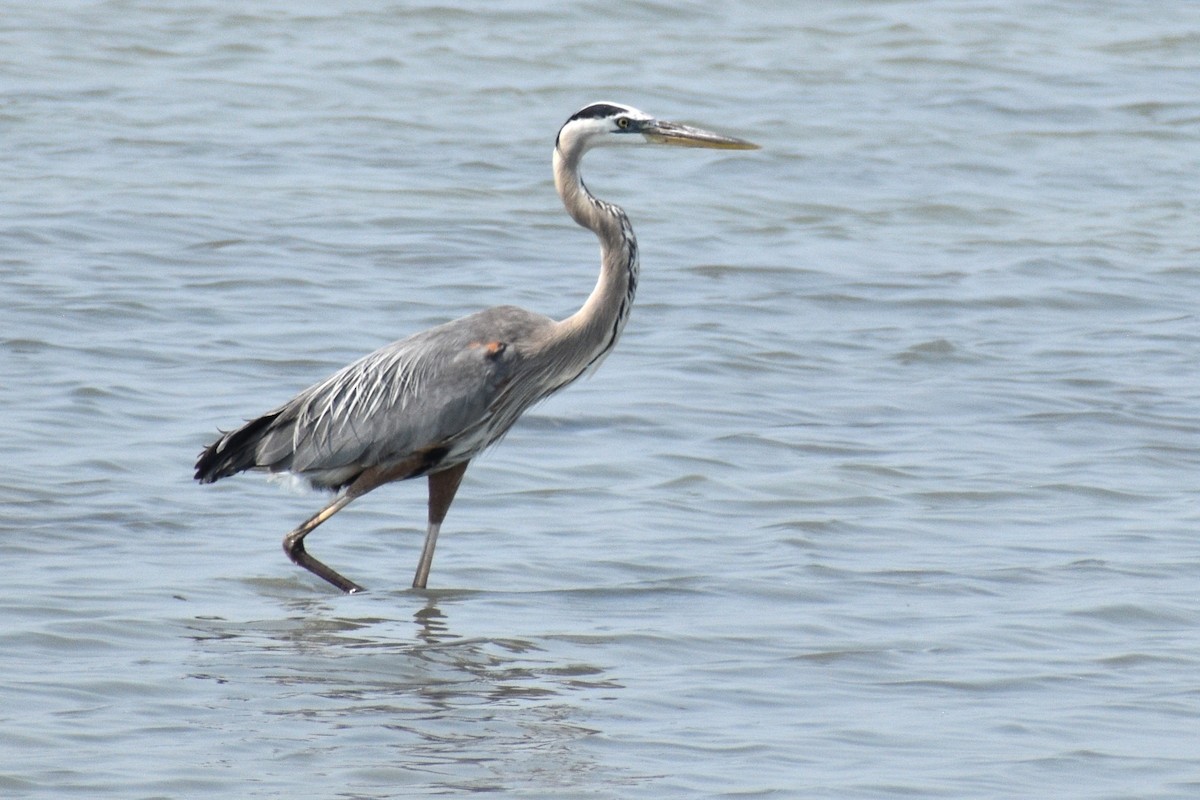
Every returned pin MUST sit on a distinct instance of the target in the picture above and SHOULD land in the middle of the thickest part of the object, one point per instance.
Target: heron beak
(660, 132)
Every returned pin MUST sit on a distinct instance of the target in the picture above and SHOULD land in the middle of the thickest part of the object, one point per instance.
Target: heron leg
(293, 545)
(442, 487)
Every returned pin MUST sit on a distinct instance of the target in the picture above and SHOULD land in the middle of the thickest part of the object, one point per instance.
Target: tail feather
(235, 451)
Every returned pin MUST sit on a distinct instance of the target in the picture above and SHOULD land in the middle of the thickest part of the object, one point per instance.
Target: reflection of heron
(426, 405)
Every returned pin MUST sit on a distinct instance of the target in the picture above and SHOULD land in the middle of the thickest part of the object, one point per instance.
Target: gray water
(890, 488)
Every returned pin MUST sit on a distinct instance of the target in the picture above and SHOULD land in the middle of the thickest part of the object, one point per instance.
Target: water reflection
(392, 701)
(431, 626)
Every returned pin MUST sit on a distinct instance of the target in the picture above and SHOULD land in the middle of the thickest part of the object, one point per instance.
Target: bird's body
(433, 394)
(427, 404)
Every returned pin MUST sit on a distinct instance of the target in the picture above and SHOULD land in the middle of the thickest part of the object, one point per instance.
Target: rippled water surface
(890, 488)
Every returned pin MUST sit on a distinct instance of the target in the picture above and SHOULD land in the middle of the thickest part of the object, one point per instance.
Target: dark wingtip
(233, 451)
(206, 461)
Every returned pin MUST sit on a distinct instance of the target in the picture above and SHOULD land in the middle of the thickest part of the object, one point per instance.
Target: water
(889, 490)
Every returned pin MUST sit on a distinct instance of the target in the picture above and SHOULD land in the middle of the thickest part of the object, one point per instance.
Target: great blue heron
(428, 404)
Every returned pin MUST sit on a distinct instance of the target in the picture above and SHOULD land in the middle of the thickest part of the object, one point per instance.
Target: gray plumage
(436, 390)
(426, 405)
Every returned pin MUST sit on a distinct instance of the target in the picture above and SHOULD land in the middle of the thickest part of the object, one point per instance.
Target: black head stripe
(597, 111)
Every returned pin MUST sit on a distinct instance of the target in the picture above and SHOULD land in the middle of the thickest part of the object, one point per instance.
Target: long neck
(586, 337)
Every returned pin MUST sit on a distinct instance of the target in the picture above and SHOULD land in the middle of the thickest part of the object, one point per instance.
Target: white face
(602, 124)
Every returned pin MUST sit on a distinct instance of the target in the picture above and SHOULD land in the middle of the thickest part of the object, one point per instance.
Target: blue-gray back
(446, 387)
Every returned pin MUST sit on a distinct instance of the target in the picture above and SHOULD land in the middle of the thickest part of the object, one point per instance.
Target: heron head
(613, 123)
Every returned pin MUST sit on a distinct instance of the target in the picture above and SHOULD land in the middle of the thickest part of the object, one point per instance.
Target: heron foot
(294, 547)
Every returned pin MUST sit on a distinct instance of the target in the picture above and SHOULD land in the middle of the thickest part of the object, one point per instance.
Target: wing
(437, 389)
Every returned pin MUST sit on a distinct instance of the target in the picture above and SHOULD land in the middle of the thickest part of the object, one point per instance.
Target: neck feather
(591, 332)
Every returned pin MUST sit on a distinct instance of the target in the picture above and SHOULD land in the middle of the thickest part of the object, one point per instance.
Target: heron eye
(623, 123)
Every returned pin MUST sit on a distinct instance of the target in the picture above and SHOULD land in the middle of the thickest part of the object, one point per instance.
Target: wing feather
(433, 389)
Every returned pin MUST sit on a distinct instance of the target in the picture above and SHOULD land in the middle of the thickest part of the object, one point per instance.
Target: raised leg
(293, 545)
(442, 487)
